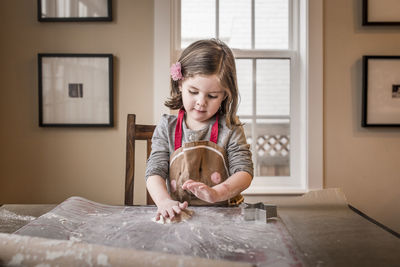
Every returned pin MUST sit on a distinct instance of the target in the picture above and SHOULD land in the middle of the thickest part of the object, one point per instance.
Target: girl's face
(202, 96)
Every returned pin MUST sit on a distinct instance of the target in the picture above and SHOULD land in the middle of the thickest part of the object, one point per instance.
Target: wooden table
(218, 233)
(320, 232)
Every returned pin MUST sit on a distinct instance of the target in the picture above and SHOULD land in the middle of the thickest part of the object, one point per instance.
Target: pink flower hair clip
(176, 71)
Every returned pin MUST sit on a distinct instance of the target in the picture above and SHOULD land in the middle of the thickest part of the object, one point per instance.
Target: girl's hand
(168, 208)
(201, 190)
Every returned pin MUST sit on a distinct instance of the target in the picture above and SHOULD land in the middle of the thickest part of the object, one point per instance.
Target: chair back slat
(135, 132)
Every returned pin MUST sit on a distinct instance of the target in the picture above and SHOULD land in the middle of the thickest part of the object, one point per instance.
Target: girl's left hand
(201, 190)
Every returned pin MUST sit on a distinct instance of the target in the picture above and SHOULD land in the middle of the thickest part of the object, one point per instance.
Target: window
(269, 40)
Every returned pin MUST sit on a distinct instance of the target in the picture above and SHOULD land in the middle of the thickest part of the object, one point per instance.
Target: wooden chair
(135, 132)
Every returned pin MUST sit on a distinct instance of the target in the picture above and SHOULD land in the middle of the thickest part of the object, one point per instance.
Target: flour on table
(184, 216)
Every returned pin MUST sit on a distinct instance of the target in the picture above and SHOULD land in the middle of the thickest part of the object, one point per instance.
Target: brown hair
(209, 57)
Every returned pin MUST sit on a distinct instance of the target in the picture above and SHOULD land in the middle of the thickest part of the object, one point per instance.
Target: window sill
(268, 190)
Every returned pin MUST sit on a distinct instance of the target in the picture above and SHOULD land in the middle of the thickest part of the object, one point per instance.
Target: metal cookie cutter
(258, 212)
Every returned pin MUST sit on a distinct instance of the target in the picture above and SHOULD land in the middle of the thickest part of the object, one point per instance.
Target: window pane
(271, 24)
(272, 148)
(273, 86)
(244, 69)
(235, 23)
(197, 21)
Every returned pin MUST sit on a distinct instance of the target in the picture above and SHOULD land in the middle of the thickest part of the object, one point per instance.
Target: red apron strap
(214, 131)
(178, 129)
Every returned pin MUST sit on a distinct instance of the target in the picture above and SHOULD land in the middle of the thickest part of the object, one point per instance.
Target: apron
(202, 161)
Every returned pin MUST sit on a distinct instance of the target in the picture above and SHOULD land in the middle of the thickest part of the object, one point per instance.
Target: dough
(184, 216)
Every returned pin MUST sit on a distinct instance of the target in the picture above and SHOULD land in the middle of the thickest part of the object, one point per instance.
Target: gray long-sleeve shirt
(232, 140)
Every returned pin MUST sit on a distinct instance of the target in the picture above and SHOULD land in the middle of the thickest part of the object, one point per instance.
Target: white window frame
(309, 121)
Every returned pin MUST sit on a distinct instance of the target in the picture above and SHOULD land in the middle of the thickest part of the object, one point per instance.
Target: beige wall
(364, 162)
(47, 165)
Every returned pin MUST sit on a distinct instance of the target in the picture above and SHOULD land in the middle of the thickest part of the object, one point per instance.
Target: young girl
(201, 156)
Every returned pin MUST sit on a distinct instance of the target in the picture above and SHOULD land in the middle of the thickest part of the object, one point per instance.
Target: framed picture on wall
(381, 91)
(380, 12)
(75, 90)
(74, 10)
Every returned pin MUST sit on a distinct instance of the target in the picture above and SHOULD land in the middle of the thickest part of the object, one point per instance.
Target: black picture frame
(382, 16)
(381, 91)
(75, 90)
(96, 10)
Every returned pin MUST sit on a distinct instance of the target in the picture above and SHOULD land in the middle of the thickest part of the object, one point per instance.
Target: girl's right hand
(168, 208)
